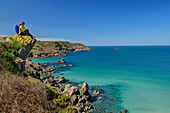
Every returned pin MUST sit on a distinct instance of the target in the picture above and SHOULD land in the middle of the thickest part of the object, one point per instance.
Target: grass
(55, 45)
(19, 94)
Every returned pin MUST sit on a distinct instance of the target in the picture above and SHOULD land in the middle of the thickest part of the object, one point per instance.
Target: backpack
(17, 29)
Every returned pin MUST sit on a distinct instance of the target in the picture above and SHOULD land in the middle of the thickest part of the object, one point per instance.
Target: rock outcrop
(44, 49)
(24, 52)
(61, 61)
(20, 63)
(80, 99)
(84, 89)
(4, 38)
(36, 69)
(124, 111)
(44, 55)
(96, 92)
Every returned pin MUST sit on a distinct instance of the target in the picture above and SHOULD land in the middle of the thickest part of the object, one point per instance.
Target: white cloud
(51, 39)
(57, 39)
(3, 35)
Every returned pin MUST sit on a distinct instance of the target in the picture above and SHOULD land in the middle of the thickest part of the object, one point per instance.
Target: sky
(91, 22)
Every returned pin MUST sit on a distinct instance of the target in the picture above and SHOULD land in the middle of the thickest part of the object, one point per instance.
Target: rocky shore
(80, 98)
(44, 55)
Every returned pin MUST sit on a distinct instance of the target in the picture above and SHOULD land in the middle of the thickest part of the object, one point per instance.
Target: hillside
(55, 48)
(23, 89)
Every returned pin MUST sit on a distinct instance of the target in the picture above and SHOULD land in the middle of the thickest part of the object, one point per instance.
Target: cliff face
(55, 48)
(23, 54)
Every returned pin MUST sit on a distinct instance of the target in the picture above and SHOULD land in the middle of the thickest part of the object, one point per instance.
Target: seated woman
(23, 32)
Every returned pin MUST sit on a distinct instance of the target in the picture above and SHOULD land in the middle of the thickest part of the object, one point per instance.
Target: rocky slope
(66, 97)
(55, 48)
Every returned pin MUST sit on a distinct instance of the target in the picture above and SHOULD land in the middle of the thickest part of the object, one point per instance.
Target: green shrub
(62, 100)
(51, 94)
(9, 50)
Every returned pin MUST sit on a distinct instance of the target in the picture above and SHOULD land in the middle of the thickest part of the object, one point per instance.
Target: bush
(62, 100)
(9, 51)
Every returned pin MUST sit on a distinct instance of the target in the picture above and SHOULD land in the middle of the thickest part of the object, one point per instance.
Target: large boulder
(22, 55)
(62, 80)
(61, 61)
(24, 52)
(20, 64)
(84, 89)
(124, 111)
(70, 90)
(50, 80)
(96, 92)
(70, 65)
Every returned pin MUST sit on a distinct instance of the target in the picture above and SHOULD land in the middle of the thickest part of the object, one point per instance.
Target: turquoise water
(136, 78)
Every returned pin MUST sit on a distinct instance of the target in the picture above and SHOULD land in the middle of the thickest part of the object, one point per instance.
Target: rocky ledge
(36, 70)
(44, 55)
(80, 99)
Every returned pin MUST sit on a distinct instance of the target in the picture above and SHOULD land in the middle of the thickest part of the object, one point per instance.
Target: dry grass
(19, 95)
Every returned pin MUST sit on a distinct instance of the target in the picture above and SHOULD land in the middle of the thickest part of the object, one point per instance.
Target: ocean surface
(136, 78)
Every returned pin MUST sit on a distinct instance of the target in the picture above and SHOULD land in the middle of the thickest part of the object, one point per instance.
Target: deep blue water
(136, 78)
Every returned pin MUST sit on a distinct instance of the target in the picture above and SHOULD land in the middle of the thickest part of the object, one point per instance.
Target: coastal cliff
(55, 48)
(28, 90)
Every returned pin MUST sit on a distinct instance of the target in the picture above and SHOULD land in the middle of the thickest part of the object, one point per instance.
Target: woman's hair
(22, 23)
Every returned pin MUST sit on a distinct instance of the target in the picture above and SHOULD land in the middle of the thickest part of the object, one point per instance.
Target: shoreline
(80, 97)
(98, 96)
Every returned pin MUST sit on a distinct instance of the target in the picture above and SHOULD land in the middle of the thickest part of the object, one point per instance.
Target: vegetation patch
(62, 100)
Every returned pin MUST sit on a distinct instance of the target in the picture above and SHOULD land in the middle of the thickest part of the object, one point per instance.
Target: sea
(136, 78)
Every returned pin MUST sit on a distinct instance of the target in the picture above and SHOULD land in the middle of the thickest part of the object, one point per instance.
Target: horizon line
(65, 40)
(134, 45)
